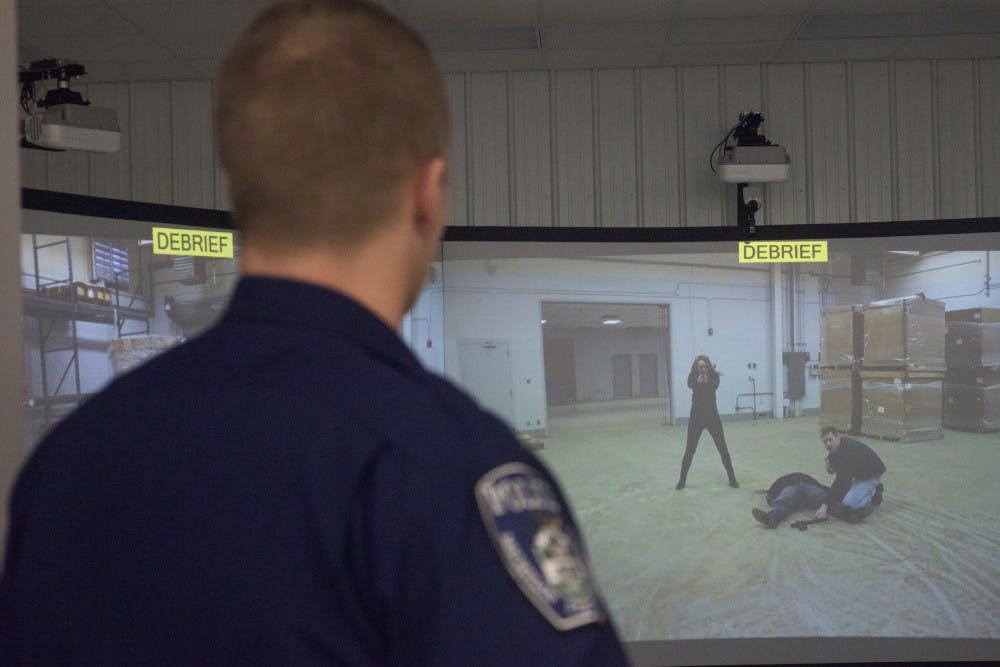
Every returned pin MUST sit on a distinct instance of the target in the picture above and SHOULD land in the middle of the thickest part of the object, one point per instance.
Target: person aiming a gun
(703, 381)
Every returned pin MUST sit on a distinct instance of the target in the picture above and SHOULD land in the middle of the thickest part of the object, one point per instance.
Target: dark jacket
(852, 461)
(788, 480)
(703, 393)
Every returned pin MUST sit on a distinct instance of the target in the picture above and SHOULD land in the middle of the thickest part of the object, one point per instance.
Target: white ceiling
(137, 40)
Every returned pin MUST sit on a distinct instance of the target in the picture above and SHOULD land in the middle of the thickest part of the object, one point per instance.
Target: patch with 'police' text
(538, 545)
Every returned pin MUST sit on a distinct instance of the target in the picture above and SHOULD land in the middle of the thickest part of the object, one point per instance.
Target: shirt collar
(301, 305)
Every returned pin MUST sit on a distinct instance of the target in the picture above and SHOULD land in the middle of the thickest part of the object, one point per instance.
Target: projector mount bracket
(53, 68)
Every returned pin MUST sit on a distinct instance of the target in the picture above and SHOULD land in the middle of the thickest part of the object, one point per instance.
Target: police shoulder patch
(538, 545)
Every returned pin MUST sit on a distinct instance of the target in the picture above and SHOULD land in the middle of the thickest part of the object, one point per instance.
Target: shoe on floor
(858, 515)
(680, 485)
(765, 518)
(877, 498)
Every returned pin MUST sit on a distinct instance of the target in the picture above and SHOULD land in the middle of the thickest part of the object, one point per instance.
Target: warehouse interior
(603, 115)
(693, 564)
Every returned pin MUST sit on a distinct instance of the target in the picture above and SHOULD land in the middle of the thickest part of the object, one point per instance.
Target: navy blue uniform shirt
(293, 488)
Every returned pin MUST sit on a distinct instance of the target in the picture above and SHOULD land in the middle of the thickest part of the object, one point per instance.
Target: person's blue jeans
(858, 496)
(795, 497)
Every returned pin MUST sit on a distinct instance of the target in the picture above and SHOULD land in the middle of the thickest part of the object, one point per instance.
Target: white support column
(777, 341)
(12, 445)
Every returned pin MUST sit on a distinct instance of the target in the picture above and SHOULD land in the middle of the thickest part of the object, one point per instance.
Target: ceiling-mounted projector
(71, 127)
(752, 159)
(754, 164)
(64, 120)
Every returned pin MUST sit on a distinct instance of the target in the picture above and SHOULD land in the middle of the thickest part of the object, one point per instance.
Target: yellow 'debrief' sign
(196, 242)
(769, 252)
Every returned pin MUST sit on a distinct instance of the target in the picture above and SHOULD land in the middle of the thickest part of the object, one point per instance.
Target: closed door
(621, 375)
(649, 376)
(560, 370)
(484, 370)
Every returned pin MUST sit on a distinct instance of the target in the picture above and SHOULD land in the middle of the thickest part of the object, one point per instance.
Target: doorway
(601, 356)
(484, 370)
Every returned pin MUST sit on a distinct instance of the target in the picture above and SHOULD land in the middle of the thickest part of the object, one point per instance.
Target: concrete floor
(694, 564)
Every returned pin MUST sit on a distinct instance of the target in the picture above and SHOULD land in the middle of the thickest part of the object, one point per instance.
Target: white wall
(423, 326)
(500, 299)
(869, 141)
(959, 279)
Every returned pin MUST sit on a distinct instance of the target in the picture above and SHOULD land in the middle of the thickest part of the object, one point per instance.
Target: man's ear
(431, 196)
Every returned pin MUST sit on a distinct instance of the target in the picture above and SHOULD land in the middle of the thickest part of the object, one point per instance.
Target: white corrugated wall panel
(34, 168)
(617, 189)
(660, 198)
(829, 180)
(703, 128)
(573, 103)
(785, 118)
(989, 115)
(869, 141)
(871, 121)
(69, 171)
(222, 201)
(741, 92)
(110, 173)
(914, 140)
(193, 159)
(458, 213)
(152, 143)
(488, 160)
(532, 149)
(956, 131)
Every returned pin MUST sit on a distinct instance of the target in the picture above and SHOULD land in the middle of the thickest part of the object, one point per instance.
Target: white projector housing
(74, 127)
(754, 164)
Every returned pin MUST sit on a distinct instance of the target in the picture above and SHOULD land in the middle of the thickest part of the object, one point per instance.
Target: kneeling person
(858, 485)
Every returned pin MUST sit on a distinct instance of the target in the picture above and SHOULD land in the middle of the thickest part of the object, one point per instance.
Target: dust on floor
(694, 563)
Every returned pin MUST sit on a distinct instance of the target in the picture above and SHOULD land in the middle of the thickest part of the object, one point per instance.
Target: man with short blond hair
(292, 487)
(320, 117)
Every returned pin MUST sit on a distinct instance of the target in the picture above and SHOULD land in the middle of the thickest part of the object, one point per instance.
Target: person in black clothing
(788, 494)
(858, 485)
(704, 380)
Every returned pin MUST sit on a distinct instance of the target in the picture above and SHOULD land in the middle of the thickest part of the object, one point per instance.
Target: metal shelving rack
(57, 398)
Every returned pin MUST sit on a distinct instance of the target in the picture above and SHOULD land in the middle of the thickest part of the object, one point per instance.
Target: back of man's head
(323, 108)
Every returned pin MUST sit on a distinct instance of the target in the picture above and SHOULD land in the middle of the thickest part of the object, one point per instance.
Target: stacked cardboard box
(905, 333)
(972, 384)
(901, 405)
(842, 337)
(840, 399)
(902, 370)
(841, 348)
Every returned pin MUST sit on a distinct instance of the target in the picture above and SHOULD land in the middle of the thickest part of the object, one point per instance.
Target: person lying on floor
(855, 491)
(791, 493)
